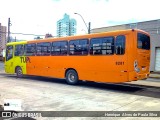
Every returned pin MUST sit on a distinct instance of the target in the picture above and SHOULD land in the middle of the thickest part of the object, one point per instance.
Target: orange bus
(117, 56)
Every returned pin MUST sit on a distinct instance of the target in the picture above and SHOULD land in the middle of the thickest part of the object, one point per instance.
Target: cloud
(56, 0)
(40, 16)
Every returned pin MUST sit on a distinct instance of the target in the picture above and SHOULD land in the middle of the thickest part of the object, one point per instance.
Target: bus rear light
(136, 66)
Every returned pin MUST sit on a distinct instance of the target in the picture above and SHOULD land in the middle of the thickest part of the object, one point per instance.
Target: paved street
(48, 94)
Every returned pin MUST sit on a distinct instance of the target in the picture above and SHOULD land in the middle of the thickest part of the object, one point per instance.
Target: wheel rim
(19, 72)
(71, 77)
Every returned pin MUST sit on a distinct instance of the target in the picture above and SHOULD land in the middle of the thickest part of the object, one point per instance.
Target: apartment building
(66, 26)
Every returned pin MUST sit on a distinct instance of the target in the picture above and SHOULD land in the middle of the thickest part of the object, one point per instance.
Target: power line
(27, 34)
(21, 33)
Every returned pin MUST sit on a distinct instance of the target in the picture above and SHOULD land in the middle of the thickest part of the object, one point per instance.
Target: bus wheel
(19, 72)
(71, 77)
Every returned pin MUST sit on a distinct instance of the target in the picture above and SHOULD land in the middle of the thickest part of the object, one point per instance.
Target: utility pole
(15, 39)
(89, 27)
(9, 24)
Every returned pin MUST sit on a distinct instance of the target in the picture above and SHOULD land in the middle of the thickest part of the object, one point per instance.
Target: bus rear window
(143, 41)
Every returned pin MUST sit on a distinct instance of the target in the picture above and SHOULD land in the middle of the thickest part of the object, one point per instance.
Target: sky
(40, 16)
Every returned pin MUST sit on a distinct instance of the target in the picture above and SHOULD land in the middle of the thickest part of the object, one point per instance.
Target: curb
(156, 77)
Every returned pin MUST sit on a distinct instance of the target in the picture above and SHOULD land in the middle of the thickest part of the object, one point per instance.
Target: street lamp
(89, 24)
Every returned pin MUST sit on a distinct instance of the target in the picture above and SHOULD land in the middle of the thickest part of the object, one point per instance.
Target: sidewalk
(155, 75)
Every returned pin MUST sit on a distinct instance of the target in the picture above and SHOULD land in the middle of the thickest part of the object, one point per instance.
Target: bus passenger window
(30, 49)
(78, 47)
(74, 47)
(120, 45)
(56, 48)
(83, 46)
(95, 47)
(9, 53)
(108, 46)
(19, 50)
(38, 49)
(59, 48)
(102, 46)
(43, 49)
(64, 47)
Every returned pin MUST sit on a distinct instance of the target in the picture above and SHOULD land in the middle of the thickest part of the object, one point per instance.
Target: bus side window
(30, 49)
(64, 47)
(59, 48)
(78, 47)
(46, 48)
(107, 45)
(43, 49)
(9, 53)
(95, 46)
(56, 48)
(84, 46)
(38, 49)
(73, 47)
(102, 46)
(120, 45)
(19, 50)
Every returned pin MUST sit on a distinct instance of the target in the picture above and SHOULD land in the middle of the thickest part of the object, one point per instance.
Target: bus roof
(19, 42)
(110, 33)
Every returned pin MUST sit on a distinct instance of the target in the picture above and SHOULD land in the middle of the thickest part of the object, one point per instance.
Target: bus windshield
(143, 41)
(9, 52)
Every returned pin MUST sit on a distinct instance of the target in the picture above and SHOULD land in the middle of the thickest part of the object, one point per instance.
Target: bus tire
(19, 72)
(72, 77)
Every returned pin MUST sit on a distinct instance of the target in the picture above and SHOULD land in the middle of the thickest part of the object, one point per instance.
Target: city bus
(115, 57)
